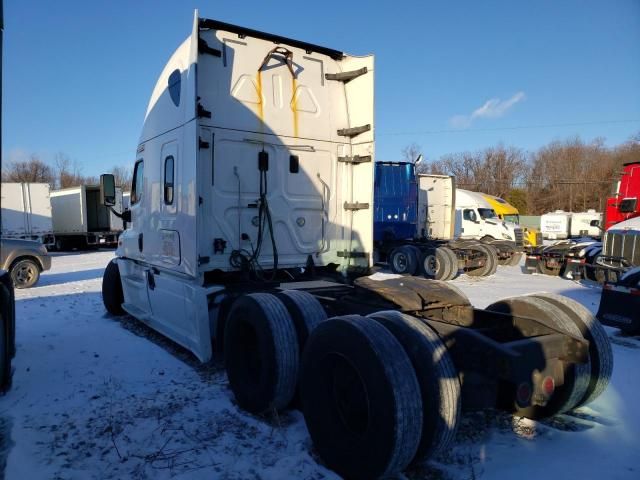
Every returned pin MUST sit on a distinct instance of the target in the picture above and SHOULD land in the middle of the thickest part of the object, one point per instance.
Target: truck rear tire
(494, 258)
(577, 376)
(112, 295)
(361, 398)
(305, 311)
(491, 264)
(438, 265)
(600, 353)
(454, 262)
(60, 244)
(261, 353)
(511, 254)
(437, 377)
(404, 260)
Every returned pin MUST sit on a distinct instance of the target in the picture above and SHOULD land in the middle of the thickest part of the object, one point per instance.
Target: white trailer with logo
(26, 212)
(556, 225)
(81, 221)
(252, 223)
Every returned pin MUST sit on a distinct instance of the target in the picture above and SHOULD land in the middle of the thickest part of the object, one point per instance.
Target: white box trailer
(436, 206)
(26, 212)
(251, 214)
(556, 225)
(581, 224)
(80, 220)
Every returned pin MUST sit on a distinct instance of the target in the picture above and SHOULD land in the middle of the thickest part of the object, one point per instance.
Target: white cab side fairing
(159, 261)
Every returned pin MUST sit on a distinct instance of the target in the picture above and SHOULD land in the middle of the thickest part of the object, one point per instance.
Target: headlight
(506, 236)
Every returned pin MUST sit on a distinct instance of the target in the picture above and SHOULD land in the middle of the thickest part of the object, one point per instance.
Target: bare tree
(123, 177)
(411, 152)
(69, 173)
(33, 170)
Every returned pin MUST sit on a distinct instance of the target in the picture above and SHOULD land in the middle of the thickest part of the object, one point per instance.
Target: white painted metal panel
(436, 206)
(555, 225)
(26, 210)
(14, 215)
(68, 210)
(267, 108)
(38, 197)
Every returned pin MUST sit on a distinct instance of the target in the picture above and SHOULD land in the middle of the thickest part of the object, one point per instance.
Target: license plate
(103, 240)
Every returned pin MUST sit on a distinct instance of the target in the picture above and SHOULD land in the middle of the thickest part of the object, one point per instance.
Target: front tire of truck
(112, 295)
(261, 353)
(437, 377)
(600, 353)
(576, 375)
(404, 260)
(361, 399)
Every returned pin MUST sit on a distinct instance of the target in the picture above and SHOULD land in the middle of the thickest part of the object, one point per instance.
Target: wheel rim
(431, 265)
(349, 395)
(400, 262)
(25, 274)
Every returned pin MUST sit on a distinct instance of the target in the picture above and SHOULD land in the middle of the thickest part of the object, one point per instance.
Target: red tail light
(548, 386)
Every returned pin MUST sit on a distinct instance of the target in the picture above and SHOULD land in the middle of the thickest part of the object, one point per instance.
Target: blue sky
(450, 76)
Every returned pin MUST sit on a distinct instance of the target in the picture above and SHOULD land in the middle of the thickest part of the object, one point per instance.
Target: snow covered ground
(98, 397)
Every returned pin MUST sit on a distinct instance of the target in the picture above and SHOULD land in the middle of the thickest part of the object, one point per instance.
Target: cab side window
(138, 182)
(168, 180)
(469, 215)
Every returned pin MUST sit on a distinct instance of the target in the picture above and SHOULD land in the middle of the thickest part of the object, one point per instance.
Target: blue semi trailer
(400, 241)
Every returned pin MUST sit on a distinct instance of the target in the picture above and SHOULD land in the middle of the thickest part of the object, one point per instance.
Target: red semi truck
(623, 204)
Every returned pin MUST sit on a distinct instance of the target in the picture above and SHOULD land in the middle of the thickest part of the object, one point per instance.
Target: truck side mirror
(107, 190)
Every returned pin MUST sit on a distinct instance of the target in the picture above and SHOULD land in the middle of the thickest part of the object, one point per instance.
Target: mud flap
(574, 269)
(620, 304)
(531, 264)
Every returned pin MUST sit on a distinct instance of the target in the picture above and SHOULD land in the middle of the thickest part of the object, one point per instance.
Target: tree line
(64, 173)
(571, 175)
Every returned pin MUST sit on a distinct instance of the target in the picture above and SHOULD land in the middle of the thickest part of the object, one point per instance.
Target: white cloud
(492, 108)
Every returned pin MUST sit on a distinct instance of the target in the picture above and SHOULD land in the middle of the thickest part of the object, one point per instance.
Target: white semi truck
(476, 219)
(451, 213)
(251, 237)
(81, 221)
(26, 212)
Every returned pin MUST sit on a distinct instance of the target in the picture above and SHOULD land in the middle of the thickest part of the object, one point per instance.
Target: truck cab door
(131, 245)
(471, 223)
